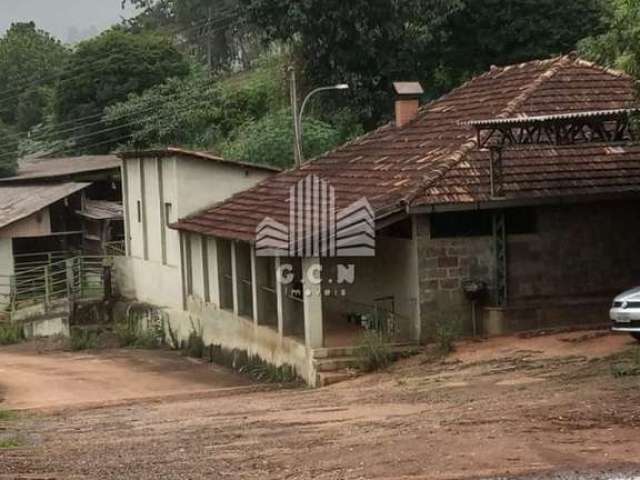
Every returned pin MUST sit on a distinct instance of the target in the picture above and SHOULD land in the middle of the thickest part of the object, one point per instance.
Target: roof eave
(520, 202)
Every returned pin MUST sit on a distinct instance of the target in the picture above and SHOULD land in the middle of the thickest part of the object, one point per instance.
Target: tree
(105, 70)
(619, 46)
(504, 32)
(269, 140)
(9, 154)
(214, 27)
(439, 42)
(198, 110)
(29, 61)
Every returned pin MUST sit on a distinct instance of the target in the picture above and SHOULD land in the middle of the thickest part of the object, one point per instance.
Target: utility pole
(297, 150)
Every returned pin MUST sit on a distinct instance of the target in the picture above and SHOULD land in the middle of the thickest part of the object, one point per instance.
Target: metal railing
(115, 249)
(388, 316)
(42, 283)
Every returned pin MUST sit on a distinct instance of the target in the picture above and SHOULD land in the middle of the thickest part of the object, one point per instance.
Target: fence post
(13, 293)
(47, 292)
(80, 275)
(68, 263)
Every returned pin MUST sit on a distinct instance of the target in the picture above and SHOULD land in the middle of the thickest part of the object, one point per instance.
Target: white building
(160, 187)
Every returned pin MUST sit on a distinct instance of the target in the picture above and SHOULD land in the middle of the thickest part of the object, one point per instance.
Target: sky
(68, 20)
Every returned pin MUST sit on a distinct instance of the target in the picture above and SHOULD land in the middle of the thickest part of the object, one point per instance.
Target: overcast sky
(68, 20)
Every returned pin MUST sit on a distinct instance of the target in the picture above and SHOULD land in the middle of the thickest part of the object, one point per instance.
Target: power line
(50, 134)
(56, 131)
(170, 114)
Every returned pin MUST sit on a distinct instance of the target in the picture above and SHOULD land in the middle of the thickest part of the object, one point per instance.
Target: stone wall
(444, 264)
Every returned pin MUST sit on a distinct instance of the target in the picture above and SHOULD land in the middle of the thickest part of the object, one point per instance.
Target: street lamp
(297, 114)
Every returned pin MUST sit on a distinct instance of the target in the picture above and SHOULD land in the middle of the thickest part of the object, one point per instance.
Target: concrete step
(335, 364)
(330, 378)
(337, 352)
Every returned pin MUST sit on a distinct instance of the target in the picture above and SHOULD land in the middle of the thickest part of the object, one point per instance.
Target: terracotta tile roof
(434, 158)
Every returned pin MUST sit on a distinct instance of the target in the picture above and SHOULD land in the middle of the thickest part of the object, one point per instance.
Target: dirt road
(31, 379)
(503, 407)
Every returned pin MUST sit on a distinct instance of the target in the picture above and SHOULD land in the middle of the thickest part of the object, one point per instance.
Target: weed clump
(82, 339)
(374, 352)
(11, 334)
(446, 334)
(629, 366)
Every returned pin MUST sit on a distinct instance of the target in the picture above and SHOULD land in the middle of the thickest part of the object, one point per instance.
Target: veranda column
(312, 295)
(234, 279)
(254, 286)
(279, 298)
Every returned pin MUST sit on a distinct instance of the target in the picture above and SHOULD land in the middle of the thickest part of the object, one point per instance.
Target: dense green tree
(439, 42)
(502, 32)
(215, 28)
(9, 153)
(269, 140)
(105, 70)
(199, 111)
(243, 116)
(619, 46)
(29, 61)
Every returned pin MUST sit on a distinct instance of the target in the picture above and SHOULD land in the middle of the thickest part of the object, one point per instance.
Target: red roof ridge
(445, 164)
(611, 71)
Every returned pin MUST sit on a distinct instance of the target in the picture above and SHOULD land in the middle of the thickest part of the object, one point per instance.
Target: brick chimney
(407, 101)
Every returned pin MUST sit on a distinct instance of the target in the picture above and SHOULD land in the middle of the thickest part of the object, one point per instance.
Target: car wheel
(635, 335)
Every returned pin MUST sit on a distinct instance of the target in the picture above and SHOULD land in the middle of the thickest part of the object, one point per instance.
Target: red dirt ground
(507, 406)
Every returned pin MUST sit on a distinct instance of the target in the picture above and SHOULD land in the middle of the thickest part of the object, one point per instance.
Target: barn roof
(54, 168)
(20, 201)
(200, 155)
(434, 160)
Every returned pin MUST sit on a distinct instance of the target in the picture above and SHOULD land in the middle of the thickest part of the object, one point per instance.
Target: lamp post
(298, 114)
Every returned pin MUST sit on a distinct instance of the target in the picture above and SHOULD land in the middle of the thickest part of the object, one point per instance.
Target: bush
(446, 333)
(195, 347)
(374, 352)
(269, 140)
(10, 334)
(629, 367)
(253, 366)
(82, 339)
(130, 334)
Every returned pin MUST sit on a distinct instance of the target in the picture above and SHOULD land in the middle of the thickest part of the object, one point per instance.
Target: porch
(320, 303)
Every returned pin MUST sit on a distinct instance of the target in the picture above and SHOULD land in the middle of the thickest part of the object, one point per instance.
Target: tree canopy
(106, 69)
(619, 46)
(439, 42)
(29, 61)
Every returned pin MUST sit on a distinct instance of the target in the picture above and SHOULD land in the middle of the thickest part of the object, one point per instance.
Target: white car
(625, 313)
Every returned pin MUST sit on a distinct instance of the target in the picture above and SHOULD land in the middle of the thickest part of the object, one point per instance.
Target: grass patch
(253, 366)
(11, 334)
(6, 443)
(82, 339)
(7, 415)
(195, 347)
(628, 365)
(446, 333)
(373, 352)
(130, 334)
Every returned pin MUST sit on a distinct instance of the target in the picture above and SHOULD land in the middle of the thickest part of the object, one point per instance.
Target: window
(480, 223)
(139, 206)
(168, 215)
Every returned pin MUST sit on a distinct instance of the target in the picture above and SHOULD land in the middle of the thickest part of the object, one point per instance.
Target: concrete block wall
(565, 273)
(585, 250)
(444, 264)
